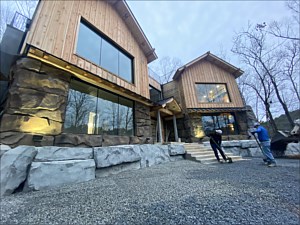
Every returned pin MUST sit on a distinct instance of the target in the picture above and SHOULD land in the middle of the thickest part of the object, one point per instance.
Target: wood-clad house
(209, 97)
(80, 78)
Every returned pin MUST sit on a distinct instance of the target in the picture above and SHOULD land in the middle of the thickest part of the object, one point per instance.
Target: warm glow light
(199, 133)
(91, 123)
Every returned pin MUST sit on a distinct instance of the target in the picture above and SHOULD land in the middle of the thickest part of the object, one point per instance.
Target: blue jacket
(262, 134)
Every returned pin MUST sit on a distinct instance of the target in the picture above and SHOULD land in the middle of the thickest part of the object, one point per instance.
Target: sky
(188, 29)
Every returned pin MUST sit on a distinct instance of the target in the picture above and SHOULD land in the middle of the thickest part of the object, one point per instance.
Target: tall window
(212, 93)
(91, 110)
(223, 121)
(99, 50)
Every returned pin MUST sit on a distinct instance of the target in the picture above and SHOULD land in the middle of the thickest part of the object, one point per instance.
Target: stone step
(204, 154)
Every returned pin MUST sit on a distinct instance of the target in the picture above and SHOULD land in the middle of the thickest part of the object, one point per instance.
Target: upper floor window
(212, 93)
(99, 50)
(155, 95)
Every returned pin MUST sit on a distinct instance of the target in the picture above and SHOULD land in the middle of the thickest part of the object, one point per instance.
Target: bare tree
(8, 9)
(251, 47)
(165, 69)
(6, 15)
(26, 7)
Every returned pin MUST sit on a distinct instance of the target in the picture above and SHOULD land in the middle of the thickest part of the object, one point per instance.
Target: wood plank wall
(154, 83)
(55, 28)
(207, 72)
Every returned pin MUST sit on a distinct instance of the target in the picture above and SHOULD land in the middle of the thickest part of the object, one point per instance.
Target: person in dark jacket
(215, 143)
(265, 143)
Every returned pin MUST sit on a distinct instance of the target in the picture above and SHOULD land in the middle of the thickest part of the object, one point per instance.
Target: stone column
(175, 128)
(159, 127)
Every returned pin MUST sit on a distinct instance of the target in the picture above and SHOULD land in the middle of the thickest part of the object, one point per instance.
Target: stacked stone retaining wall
(29, 168)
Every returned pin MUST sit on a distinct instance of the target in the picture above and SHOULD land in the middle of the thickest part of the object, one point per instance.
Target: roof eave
(128, 17)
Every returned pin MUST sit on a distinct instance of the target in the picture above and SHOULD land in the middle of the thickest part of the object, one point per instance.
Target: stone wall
(38, 168)
(143, 127)
(35, 103)
(35, 109)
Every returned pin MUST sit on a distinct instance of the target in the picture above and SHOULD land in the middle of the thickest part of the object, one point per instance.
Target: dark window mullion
(100, 58)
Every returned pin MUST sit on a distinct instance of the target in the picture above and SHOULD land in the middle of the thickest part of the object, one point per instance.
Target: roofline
(123, 9)
(237, 71)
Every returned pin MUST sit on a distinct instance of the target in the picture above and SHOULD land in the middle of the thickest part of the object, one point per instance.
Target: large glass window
(223, 121)
(98, 49)
(91, 110)
(155, 95)
(212, 93)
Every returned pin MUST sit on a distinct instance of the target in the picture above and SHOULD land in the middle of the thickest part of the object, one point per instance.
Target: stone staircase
(204, 154)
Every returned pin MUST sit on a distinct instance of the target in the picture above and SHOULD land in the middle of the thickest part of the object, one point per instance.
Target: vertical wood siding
(207, 72)
(55, 28)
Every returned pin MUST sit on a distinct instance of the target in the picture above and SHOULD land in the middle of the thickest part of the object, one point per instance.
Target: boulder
(15, 139)
(154, 154)
(14, 167)
(110, 156)
(111, 140)
(3, 149)
(53, 153)
(176, 149)
(48, 175)
(78, 140)
(29, 124)
(248, 144)
(36, 103)
(292, 149)
(255, 152)
(231, 143)
(107, 171)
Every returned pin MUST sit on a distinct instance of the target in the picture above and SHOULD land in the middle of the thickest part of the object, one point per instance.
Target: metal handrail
(20, 22)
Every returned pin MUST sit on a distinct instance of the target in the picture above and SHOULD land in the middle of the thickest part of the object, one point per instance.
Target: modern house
(79, 77)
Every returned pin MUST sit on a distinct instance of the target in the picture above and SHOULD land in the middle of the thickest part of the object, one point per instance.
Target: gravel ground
(182, 192)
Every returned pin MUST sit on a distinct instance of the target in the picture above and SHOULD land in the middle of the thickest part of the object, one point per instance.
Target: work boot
(272, 165)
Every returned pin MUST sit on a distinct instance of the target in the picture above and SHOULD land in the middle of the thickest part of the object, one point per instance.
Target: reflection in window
(109, 57)
(81, 109)
(224, 121)
(99, 50)
(86, 44)
(212, 93)
(94, 111)
(155, 95)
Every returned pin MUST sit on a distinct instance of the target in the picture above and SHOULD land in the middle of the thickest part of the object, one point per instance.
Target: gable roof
(124, 11)
(236, 72)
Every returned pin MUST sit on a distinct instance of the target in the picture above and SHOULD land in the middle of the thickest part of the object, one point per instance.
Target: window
(155, 95)
(212, 93)
(99, 50)
(224, 121)
(91, 110)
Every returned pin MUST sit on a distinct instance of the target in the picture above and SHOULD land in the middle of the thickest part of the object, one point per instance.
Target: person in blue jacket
(265, 143)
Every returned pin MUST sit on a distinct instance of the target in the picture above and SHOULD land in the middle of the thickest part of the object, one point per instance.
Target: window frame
(96, 110)
(208, 102)
(112, 43)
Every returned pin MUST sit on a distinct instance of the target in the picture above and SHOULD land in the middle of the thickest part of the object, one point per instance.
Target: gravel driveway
(182, 192)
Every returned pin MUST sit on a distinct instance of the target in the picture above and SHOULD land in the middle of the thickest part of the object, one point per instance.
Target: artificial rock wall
(36, 105)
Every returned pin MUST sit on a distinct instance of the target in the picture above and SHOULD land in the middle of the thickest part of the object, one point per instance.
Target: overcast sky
(188, 29)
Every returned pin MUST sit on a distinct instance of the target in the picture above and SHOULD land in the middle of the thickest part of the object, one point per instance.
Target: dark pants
(216, 148)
